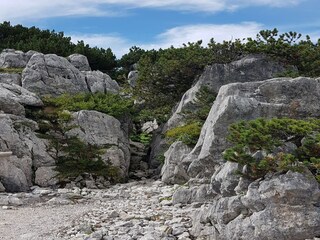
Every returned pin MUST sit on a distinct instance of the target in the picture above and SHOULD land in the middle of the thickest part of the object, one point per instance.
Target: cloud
(40, 9)
(174, 36)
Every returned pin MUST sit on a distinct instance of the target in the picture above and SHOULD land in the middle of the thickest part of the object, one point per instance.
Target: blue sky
(120, 24)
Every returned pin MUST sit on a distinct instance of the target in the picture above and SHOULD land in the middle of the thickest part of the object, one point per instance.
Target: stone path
(137, 210)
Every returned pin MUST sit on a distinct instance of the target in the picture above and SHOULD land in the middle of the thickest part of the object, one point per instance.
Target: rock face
(267, 210)
(79, 61)
(132, 78)
(280, 97)
(173, 170)
(52, 75)
(100, 82)
(262, 209)
(10, 58)
(102, 130)
(14, 97)
(248, 69)
(17, 135)
(10, 78)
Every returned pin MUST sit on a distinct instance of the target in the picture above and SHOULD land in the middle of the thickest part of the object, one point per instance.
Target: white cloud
(37, 9)
(174, 36)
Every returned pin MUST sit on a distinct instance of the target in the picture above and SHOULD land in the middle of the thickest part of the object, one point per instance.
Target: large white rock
(10, 58)
(100, 82)
(79, 61)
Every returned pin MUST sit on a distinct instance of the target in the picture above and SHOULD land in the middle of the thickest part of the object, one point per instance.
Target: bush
(271, 137)
(111, 104)
(188, 134)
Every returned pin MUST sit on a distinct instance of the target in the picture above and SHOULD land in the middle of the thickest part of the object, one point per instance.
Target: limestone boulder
(279, 97)
(105, 131)
(52, 75)
(79, 61)
(133, 77)
(100, 82)
(46, 176)
(14, 97)
(173, 170)
(9, 78)
(248, 69)
(284, 206)
(10, 58)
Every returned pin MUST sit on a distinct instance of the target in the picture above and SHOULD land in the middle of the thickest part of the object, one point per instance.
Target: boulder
(79, 61)
(133, 77)
(100, 82)
(52, 75)
(268, 209)
(173, 171)
(17, 135)
(2, 188)
(14, 97)
(12, 177)
(248, 69)
(105, 131)
(280, 97)
(46, 176)
(10, 58)
(10, 78)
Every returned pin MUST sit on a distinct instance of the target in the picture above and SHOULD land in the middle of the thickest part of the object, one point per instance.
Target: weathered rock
(267, 210)
(10, 78)
(104, 131)
(2, 188)
(52, 75)
(10, 58)
(79, 61)
(100, 82)
(281, 97)
(225, 179)
(173, 170)
(15, 97)
(12, 177)
(17, 135)
(248, 69)
(46, 176)
(133, 77)
(149, 127)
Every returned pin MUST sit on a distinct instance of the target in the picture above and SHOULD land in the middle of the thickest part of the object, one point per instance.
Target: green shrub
(111, 104)
(271, 135)
(144, 138)
(188, 133)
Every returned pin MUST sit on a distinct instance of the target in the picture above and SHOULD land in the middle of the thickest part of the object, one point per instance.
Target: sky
(154, 24)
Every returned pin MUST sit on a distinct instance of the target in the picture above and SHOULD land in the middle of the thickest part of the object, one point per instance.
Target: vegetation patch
(284, 144)
(11, 70)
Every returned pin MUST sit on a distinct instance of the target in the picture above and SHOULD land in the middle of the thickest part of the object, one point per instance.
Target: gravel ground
(37, 222)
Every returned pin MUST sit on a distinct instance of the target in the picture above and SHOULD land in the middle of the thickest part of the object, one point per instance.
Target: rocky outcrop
(280, 97)
(248, 69)
(174, 170)
(10, 78)
(52, 75)
(266, 210)
(10, 58)
(262, 209)
(13, 98)
(28, 151)
(100, 82)
(133, 77)
(104, 131)
(79, 61)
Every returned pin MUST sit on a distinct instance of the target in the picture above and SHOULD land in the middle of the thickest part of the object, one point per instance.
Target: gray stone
(149, 127)
(181, 195)
(101, 82)
(79, 61)
(52, 75)
(133, 77)
(173, 170)
(2, 188)
(105, 131)
(10, 58)
(280, 97)
(46, 176)
(225, 179)
(10, 78)
(248, 69)
(14, 97)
